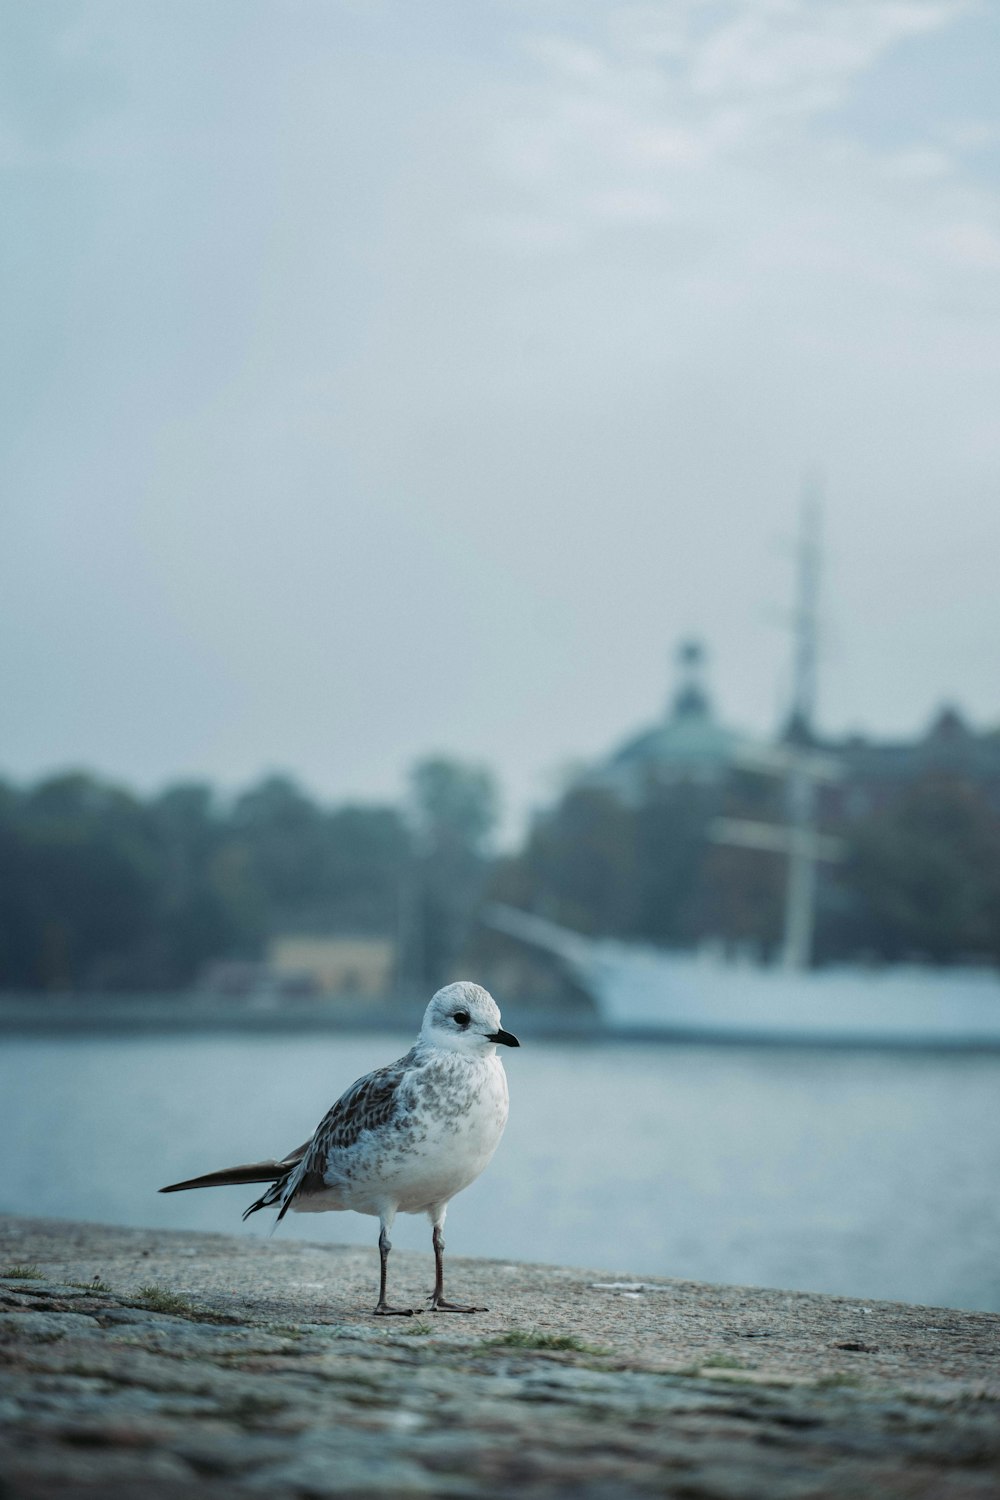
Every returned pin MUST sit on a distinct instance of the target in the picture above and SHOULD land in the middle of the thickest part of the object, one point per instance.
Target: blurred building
(298, 966)
(875, 771)
(691, 833)
(689, 744)
(334, 965)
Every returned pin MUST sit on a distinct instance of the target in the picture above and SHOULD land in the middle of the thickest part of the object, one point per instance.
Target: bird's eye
(462, 1017)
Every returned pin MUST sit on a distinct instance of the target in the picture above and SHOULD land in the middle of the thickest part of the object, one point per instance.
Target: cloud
(632, 114)
(971, 245)
(798, 56)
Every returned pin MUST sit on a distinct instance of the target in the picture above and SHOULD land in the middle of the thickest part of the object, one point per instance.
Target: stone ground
(197, 1367)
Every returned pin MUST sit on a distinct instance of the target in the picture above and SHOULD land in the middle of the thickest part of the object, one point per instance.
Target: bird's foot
(438, 1304)
(383, 1310)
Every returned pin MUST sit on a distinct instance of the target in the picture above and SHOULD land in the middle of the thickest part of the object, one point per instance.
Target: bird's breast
(444, 1133)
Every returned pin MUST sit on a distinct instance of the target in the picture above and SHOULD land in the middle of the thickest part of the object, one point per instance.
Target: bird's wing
(368, 1104)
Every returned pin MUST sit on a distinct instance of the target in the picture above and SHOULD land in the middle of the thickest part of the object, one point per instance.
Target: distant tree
(369, 851)
(454, 805)
(318, 868)
(20, 921)
(672, 860)
(645, 872)
(453, 811)
(923, 877)
(579, 864)
(740, 897)
(282, 833)
(204, 911)
(101, 890)
(596, 865)
(78, 902)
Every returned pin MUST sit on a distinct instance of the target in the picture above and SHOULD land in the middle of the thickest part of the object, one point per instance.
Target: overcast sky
(383, 377)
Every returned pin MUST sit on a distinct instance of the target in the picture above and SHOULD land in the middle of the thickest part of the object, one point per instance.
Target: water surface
(867, 1174)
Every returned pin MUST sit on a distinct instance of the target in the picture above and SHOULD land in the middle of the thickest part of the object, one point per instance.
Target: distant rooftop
(950, 744)
(688, 744)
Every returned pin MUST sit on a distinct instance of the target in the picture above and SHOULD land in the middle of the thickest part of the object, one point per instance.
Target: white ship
(699, 994)
(694, 996)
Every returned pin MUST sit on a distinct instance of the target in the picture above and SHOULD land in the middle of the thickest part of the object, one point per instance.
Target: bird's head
(465, 1018)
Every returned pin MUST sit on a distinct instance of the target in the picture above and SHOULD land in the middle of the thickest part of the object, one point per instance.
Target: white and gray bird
(404, 1139)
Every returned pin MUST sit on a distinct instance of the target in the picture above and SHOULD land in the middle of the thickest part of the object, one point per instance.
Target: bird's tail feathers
(257, 1171)
(268, 1199)
(261, 1171)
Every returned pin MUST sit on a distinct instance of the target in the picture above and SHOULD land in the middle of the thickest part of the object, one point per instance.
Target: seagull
(403, 1139)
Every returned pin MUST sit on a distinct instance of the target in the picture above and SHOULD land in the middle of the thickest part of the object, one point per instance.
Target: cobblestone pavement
(160, 1365)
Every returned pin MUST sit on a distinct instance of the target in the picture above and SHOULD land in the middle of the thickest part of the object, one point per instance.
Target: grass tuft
(837, 1379)
(22, 1273)
(158, 1299)
(523, 1338)
(722, 1362)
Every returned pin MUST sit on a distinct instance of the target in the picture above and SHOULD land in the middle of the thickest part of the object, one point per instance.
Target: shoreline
(185, 1014)
(194, 1014)
(214, 1366)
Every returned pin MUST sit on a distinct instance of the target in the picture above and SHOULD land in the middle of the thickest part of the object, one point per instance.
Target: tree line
(920, 877)
(103, 889)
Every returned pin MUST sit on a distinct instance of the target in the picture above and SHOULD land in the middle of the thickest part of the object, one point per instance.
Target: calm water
(872, 1175)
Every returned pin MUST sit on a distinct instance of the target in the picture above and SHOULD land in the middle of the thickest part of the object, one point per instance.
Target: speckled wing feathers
(368, 1104)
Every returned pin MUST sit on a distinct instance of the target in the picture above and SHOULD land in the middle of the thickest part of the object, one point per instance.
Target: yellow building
(335, 965)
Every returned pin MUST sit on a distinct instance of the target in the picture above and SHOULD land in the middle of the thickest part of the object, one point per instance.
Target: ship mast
(805, 621)
(803, 845)
(797, 762)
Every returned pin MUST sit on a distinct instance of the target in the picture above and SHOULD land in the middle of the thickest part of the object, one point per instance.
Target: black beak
(505, 1038)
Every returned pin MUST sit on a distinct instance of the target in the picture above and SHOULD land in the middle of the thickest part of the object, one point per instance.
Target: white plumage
(405, 1138)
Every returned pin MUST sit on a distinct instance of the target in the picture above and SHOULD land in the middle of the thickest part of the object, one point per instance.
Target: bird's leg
(437, 1302)
(383, 1310)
